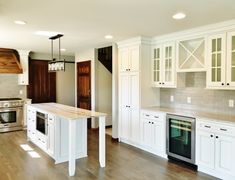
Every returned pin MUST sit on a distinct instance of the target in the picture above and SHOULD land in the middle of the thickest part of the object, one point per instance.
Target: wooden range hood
(10, 61)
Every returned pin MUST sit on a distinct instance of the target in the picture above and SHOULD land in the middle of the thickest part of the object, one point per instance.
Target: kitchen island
(61, 131)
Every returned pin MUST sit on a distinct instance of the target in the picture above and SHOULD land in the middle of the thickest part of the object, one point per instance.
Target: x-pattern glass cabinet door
(231, 60)
(216, 59)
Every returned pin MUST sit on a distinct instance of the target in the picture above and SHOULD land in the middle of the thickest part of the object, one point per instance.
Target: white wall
(65, 81)
(103, 89)
(65, 85)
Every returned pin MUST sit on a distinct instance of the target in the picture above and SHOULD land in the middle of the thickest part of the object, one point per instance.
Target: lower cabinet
(130, 125)
(153, 132)
(215, 145)
(55, 142)
(51, 135)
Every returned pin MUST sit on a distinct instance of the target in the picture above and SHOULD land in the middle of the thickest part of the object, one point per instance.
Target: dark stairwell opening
(105, 57)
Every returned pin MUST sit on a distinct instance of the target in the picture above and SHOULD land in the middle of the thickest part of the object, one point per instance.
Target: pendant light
(56, 65)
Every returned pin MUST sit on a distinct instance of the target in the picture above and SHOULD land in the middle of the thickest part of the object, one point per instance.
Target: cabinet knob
(160, 83)
(149, 122)
(216, 137)
(163, 83)
(152, 122)
(211, 135)
(227, 84)
(222, 84)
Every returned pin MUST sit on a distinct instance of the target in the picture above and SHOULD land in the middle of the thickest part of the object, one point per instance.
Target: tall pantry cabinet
(134, 63)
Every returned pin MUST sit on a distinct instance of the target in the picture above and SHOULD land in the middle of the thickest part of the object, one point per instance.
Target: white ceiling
(84, 23)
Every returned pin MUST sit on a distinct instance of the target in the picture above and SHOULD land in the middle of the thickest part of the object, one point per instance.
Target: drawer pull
(156, 116)
(222, 129)
(147, 115)
(207, 126)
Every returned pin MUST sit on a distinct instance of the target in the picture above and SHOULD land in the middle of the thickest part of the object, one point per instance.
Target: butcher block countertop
(67, 112)
(228, 118)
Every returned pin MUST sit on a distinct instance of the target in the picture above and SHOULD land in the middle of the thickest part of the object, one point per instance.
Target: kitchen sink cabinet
(215, 149)
(153, 132)
(23, 79)
(221, 61)
(163, 65)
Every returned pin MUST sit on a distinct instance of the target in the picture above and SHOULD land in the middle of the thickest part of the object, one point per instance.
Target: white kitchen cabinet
(23, 79)
(221, 61)
(215, 144)
(31, 124)
(129, 106)
(129, 59)
(56, 141)
(206, 149)
(163, 65)
(51, 135)
(153, 132)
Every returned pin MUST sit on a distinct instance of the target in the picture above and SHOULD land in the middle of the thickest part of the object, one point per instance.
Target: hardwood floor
(123, 162)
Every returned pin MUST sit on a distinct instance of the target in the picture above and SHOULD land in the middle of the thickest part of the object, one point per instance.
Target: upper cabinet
(221, 61)
(23, 79)
(129, 59)
(191, 55)
(163, 65)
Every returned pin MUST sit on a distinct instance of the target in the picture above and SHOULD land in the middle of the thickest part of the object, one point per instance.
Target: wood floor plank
(123, 162)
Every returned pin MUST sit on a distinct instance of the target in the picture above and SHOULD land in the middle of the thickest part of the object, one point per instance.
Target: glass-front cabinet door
(156, 73)
(231, 60)
(216, 59)
(168, 70)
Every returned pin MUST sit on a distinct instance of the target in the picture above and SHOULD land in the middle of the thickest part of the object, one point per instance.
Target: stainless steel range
(11, 114)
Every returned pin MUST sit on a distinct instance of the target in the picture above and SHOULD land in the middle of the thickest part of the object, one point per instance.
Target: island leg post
(72, 147)
(102, 141)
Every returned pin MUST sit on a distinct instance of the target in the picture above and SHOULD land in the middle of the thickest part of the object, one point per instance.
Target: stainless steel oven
(11, 114)
(41, 122)
(181, 137)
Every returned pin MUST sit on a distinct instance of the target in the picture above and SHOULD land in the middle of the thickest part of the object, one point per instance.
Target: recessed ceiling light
(20, 22)
(46, 33)
(108, 37)
(179, 16)
(62, 49)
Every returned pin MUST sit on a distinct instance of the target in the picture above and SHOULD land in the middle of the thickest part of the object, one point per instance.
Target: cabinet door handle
(163, 83)
(160, 83)
(147, 115)
(216, 137)
(211, 135)
(222, 129)
(207, 126)
(227, 84)
(222, 84)
(152, 122)
(149, 122)
(156, 117)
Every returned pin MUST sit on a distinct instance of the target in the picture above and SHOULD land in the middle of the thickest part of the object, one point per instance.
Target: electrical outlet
(21, 92)
(172, 99)
(189, 100)
(230, 103)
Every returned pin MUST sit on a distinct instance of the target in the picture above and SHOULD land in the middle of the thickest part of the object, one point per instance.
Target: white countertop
(68, 112)
(229, 118)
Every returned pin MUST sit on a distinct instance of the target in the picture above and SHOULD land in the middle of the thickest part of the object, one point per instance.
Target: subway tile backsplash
(9, 86)
(194, 85)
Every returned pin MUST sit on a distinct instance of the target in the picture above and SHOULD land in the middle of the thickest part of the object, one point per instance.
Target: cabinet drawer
(226, 130)
(153, 116)
(51, 119)
(207, 126)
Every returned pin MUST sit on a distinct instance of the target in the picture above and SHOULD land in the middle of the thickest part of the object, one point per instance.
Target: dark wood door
(84, 87)
(42, 84)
